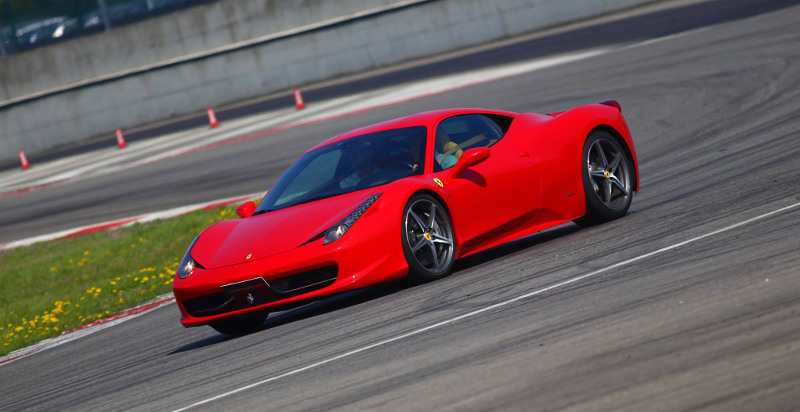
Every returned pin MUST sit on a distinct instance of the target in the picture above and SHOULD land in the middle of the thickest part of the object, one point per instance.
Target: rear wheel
(607, 179)
(428, 240)
(240, 325)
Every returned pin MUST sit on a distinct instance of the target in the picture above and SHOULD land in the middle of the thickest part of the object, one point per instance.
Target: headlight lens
(188, 264)
(338, 230)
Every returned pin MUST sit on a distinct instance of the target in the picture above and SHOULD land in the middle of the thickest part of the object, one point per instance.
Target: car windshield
(349, 165)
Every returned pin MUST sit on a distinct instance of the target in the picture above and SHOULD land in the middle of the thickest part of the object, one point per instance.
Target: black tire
(428, 244)
(240, 325)
(608, 178)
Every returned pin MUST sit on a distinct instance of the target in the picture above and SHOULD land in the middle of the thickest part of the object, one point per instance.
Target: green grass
(52, 287)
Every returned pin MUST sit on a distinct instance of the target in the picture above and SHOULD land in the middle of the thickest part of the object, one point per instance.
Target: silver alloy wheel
(429, 235)
(609, 173)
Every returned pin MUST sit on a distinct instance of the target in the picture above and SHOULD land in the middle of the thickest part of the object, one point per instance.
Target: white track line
(117, 223)
(112, 160)
(488, 308)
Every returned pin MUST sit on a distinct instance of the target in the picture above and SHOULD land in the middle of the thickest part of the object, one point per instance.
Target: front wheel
(240, 325)
(607, 179)
(428, 240)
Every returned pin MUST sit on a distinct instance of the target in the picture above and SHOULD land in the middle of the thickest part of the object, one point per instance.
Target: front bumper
(306, 273)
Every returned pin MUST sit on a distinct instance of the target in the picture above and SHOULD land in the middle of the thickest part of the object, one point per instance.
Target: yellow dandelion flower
(112, 283)
(18, 329)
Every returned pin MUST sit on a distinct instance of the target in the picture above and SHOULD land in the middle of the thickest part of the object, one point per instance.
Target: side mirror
(470, 158)
(246, 209)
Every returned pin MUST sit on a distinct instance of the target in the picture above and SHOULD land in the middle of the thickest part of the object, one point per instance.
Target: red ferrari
(406, 198)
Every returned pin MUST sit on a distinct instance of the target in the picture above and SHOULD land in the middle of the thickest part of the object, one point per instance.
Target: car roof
(427, 119)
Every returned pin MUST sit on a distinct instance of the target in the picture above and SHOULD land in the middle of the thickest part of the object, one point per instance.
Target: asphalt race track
(691, 302)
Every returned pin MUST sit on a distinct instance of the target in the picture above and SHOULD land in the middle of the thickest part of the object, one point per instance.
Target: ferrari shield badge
(438, 182)
(249, 256)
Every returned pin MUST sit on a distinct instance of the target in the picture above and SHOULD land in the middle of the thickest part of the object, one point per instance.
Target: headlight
(188, 264)
(338, 230)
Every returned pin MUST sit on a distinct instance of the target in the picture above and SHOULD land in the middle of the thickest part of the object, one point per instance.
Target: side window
(500, 121)
(459, 133)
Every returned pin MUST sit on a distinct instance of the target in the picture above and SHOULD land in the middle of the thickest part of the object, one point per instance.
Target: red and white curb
(89, 328)
(127, 314)
(148, 217)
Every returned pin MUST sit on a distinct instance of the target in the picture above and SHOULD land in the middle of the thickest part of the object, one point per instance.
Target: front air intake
(256, 292)
(305, 281)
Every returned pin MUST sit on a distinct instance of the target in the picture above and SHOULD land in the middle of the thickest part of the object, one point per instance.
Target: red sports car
(406, 198)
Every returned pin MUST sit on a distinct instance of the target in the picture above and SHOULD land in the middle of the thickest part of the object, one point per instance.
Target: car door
(493, 198)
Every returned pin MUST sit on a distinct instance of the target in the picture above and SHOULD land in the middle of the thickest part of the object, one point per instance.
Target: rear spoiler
(611, 103)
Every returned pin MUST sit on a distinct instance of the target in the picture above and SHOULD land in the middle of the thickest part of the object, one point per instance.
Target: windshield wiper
(314, 199)
(309, 200)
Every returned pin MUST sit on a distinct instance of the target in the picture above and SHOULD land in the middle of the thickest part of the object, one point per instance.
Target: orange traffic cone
(212, 118)
(120, 139)
(24, 160)
(298, 99)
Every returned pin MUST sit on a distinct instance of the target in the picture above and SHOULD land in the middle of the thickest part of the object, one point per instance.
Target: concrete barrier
(239, 49)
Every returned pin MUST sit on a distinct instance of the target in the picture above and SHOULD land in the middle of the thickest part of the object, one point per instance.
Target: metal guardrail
(233, 47)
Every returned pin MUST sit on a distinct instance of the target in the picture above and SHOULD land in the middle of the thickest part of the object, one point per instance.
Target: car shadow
(307, 311)
(514, 246)
(359, 296)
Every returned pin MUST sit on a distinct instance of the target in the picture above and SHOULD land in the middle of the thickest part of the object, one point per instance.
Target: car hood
(240, 240)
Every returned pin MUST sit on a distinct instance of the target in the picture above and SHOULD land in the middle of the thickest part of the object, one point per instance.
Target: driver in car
(362, 157)
(446, 151)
